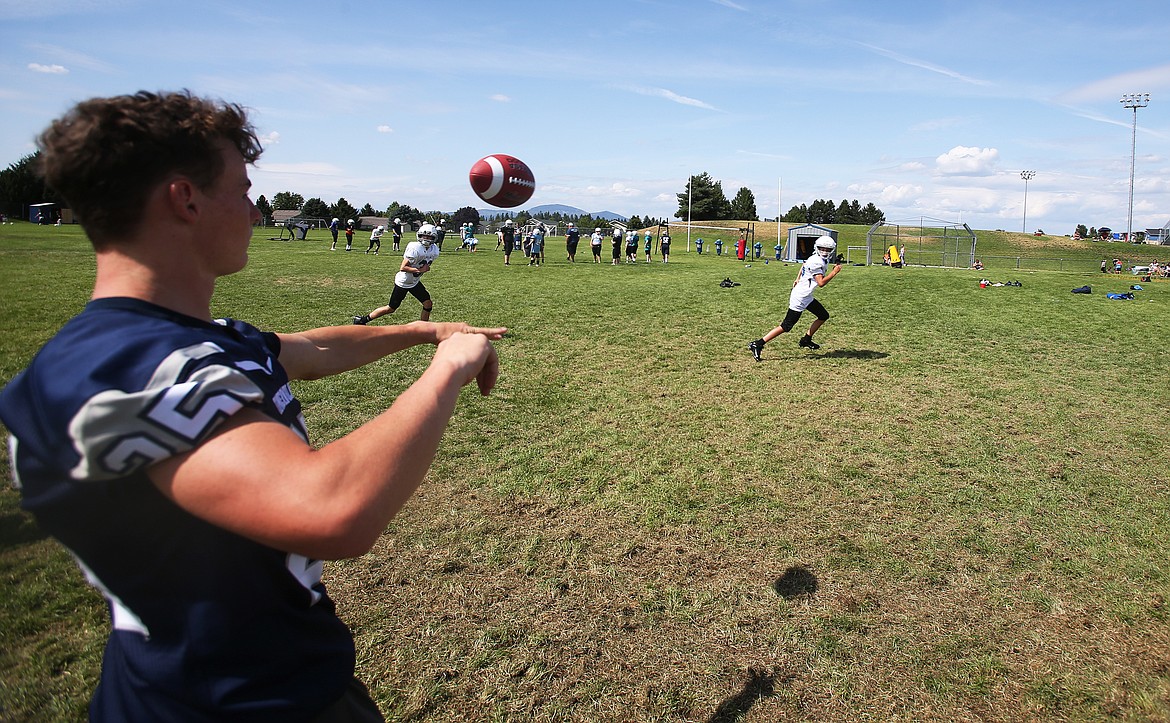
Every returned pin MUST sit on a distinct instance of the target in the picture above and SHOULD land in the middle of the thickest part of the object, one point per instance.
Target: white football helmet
(826, 247)
(427, 234)
(397, 220)
(336, 220)
(508, 222)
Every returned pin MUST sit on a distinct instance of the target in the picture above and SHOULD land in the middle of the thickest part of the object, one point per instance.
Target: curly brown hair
(106, 154)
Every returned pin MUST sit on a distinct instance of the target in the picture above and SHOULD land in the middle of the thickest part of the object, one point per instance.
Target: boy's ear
(181, 199)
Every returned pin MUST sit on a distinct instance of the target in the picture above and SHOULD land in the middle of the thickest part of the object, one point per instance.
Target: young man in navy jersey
(509, 239)
(396, 231)
(165, 449)
(572, 238)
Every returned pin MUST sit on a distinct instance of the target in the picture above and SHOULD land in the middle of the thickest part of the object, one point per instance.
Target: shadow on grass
(853, 354)
(760, 684)
(862, 354)
(797, 581)
(18, 528)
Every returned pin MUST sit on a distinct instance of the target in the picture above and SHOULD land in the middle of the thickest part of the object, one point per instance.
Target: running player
(416, 261)
(812, 276)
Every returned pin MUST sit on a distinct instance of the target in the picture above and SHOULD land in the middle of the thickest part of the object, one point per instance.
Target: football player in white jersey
(376, 240)
(812, 277)
(416, 261)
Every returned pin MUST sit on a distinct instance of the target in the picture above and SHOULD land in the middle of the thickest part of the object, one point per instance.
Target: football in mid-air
(502, 180)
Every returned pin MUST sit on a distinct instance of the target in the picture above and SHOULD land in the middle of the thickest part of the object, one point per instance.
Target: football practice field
(958, 509)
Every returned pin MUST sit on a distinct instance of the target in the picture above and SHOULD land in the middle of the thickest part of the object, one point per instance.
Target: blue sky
(928, 110)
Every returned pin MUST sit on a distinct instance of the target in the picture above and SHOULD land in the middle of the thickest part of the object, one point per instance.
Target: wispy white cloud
(385, 129)
(669, 95)
(916, 63)
(501, 98)
(761, 154)
(1145, 80)
(50, 69)
(1099, 118)
(328, 92)
(729, 4)
(935, 124)
(1124, 120)
(23, 9)
(70, 57)
(309, 168)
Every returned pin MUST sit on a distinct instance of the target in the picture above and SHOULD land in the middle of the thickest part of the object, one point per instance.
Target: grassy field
(956, 510)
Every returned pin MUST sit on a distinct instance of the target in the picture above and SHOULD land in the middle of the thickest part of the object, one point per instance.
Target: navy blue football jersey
(207, 625)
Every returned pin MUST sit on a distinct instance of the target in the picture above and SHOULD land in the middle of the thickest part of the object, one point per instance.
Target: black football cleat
(756, 348)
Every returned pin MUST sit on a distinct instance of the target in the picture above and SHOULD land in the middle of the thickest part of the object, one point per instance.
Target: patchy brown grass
(474, 607)
(957, 510)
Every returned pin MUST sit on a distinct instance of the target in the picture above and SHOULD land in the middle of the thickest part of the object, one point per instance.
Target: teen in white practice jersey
(812, 277)
(416, 261)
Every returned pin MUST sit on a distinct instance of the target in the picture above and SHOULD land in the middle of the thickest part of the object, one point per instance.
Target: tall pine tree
(705, 202)
(743, 206)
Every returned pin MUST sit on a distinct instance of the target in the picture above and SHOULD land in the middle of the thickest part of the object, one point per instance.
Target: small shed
(801, 240)
(1159, 235)
(279, 217)
(367, 223)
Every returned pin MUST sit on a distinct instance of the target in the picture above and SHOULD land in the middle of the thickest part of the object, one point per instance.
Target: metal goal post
(923, 242)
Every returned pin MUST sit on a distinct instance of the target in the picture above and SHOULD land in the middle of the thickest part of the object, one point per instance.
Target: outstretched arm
(331, 350)
(257, 478)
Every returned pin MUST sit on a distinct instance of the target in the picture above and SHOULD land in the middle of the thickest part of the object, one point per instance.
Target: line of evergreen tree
(846, 212)
(21, 186)
(705, 201)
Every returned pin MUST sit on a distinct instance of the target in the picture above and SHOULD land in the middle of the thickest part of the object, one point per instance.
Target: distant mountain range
(554, 208)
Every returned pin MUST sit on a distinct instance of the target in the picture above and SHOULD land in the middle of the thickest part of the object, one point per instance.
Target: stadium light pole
(1027, 176)
(690, 182)
(1134, 101)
